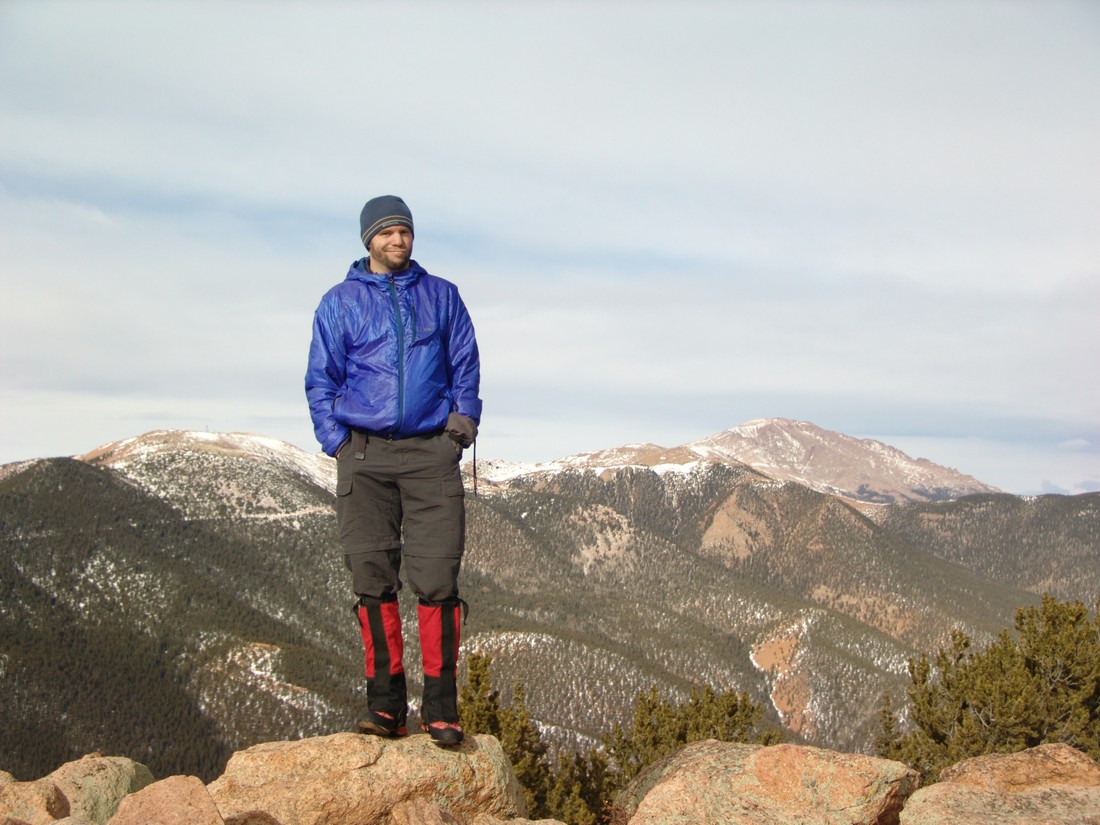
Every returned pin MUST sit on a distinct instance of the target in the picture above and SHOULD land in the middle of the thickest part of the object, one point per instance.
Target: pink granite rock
(735, 784)
(177, 800)
(39, 802)
(1047, 785)
(96, 784)
(349, 779)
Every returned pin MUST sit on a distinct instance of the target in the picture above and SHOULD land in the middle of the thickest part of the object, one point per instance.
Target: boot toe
(444, 734)
(381, 724)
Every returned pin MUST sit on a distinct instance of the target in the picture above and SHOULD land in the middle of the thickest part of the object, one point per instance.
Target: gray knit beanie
(383, 211)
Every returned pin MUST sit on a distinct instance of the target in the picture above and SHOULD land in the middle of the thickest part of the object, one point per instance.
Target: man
(392, 385)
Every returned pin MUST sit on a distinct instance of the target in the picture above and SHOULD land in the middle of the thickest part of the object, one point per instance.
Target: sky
(665, 218)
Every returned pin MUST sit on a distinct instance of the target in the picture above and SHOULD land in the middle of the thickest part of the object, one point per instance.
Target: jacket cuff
(333, 442)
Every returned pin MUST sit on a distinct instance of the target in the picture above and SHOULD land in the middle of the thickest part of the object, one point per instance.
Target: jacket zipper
(400, 357)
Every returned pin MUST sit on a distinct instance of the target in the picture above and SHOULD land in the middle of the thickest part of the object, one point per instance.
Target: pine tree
(1043, 685)
(523, 745)
(1062, 648)
(582, 788)
(886, 740)
(479, 704)
(566, 797)
(480, 711)
(659, 728)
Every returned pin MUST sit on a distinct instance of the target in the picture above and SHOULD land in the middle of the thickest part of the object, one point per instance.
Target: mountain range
(801, 566)
(859, 470)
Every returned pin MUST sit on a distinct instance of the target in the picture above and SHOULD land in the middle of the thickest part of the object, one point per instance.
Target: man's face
(391, 249)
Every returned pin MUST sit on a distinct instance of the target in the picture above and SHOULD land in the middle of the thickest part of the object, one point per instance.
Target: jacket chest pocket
(424, 323)
(427, 336)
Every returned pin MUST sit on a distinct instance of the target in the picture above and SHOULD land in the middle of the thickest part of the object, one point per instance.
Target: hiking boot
(444, 734)
(381, 723)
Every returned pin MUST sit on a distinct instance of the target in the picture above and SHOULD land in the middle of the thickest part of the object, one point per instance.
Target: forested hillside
(1045, 544)
(717, 576)
(123, 624)
(187, 589)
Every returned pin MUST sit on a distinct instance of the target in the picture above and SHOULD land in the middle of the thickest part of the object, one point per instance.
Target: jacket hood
(359, 271)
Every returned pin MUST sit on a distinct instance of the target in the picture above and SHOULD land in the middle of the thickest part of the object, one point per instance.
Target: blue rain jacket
(391, 354)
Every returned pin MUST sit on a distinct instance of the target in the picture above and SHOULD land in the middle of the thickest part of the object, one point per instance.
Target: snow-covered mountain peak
(317, 467)
(207, 474)
(786, 450)
(831, 462)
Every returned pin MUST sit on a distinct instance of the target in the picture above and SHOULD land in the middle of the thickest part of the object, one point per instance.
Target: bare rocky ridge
(349, 779)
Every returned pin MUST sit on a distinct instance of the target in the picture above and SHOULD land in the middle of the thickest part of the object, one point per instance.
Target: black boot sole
(444, 737)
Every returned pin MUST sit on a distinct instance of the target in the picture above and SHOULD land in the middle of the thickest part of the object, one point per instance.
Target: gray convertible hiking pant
(401, 500)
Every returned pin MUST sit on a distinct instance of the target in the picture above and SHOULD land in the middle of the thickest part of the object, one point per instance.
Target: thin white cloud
(663, 216)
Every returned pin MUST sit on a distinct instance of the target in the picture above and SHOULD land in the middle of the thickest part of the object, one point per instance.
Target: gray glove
(461, 429)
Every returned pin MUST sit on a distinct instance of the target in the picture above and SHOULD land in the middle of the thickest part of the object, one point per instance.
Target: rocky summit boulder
(32, 803)
(348, 779)
(177, 800)
(1047, 785)
(736, 784)
(96, 784)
